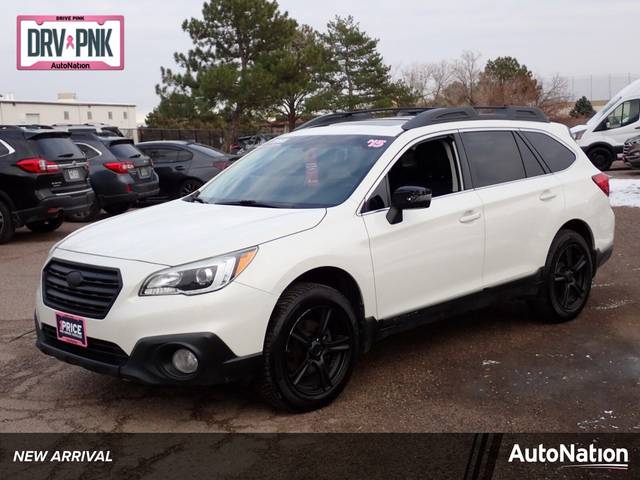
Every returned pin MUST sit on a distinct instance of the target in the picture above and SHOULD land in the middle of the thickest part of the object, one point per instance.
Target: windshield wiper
(249, 203)
(195, 198)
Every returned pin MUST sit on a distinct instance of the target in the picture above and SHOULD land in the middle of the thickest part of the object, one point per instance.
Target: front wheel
(44, 226)
(567, 278)
(310, 348)
(601, 157)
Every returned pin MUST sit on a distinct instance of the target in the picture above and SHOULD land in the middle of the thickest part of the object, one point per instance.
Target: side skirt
(377, 330)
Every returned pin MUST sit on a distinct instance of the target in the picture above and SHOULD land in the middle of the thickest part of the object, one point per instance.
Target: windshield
(603, 110)
(311, 171)
(212, 152)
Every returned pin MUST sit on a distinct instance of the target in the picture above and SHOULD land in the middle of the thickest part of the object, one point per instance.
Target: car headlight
(199, 277)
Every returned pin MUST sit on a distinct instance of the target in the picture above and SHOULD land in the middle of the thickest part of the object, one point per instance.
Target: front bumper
(51, 206)
(228, 326)
(150, 361)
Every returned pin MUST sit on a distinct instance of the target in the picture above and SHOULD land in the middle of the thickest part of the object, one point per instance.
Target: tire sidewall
(283, 322)
(563, 239)
(8, 227)
(607, 155)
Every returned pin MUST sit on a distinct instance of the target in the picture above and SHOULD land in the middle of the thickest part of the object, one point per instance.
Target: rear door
(520, 200)
(170, 163)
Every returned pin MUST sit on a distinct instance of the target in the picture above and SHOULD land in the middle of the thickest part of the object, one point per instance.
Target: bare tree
(466, 71)
(427, 81)
(553, 95)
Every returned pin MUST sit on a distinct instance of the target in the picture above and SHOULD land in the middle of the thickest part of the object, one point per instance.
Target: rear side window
(57, 148)
(125, 150)
(184, 155)
(162, 155)
(555, 155)
(4, 150)
(88, 151)
(494, 158)
(212, 152)
(531, 165)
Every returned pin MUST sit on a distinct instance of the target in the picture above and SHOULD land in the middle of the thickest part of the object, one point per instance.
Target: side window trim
(384, 175)
(534, 152)
(9, 148)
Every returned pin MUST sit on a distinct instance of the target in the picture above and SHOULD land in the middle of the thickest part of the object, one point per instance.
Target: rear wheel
(44, 226)
(117, 208)
(601, 157)
(189, 186)
(7, 227)
(88, 215)
(567, 279)
(310, 348)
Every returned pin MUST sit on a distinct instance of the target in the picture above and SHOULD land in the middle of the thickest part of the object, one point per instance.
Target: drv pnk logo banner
(83, 42)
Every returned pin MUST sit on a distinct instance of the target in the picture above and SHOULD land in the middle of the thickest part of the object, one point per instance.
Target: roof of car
(166, 142)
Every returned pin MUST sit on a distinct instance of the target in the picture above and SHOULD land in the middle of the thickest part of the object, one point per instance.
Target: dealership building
(67, 109)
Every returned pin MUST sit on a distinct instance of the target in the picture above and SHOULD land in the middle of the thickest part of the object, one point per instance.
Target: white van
(603, 137)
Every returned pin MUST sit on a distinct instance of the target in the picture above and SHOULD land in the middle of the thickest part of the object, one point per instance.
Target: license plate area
(71, 329)
(73, 174)
(144, 172)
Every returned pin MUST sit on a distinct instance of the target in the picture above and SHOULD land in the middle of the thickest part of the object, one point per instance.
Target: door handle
(179, 167)
(547, 195)
(469, 216)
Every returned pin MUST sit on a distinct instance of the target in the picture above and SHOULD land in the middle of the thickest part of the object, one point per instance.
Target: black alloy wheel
(7, 227)
(310, 348)
(571, 283)
(567, 280)
(317, 351)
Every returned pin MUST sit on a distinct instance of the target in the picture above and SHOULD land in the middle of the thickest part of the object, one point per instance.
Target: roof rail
(457, 114)
(355, 115)
(35, 126)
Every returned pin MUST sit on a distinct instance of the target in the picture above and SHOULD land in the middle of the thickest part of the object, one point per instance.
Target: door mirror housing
(405, 198)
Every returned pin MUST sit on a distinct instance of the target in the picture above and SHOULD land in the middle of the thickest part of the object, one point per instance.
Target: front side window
(430, 164)
(494, 157)
(555, 155)
(624, 114)
(310, 171)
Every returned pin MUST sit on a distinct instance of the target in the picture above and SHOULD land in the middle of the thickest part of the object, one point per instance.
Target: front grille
(98, 350)
(91, 297)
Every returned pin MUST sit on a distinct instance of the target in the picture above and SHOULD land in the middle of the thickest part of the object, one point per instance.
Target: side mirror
(405, 198)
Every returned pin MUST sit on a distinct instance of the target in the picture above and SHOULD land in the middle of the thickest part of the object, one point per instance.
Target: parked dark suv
(120, 174)
(184, 166)
(631, 152)
(42, 175)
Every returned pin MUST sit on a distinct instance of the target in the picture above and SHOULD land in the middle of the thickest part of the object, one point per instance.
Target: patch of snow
(613, 305)
(624, 192)
(490, 362)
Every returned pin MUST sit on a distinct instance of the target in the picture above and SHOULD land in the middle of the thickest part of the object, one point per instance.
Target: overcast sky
(570, 37)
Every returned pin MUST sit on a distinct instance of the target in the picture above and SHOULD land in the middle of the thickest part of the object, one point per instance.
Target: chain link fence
(145, 134)
(597, 88)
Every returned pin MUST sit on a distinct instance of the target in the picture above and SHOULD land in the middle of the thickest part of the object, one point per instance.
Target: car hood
(179, 232)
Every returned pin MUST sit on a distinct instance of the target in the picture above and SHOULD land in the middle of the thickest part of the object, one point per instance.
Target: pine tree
(582, 108)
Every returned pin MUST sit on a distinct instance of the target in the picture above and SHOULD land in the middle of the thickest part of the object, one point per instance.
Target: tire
(45, 226)
(568, 274)
(310, 348)
(601, 157)
(88, 215)
(188, 186)
(7, 226)
(117, 208)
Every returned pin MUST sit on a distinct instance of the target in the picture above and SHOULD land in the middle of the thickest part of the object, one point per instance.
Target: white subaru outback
(292, 262)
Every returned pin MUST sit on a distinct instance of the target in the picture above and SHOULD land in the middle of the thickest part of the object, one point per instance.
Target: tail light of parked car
(119, 167)
(38, 165)
(602, 181)
(221, 164)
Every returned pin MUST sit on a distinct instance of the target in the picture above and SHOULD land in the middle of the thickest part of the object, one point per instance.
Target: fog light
(185, 361)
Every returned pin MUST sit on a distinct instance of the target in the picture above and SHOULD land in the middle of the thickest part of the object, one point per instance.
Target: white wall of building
(45, 113)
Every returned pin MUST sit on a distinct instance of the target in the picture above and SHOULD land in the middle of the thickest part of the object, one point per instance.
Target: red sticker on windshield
(374, 143)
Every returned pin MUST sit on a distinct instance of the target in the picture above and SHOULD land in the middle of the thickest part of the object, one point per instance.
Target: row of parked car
(49, 173)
